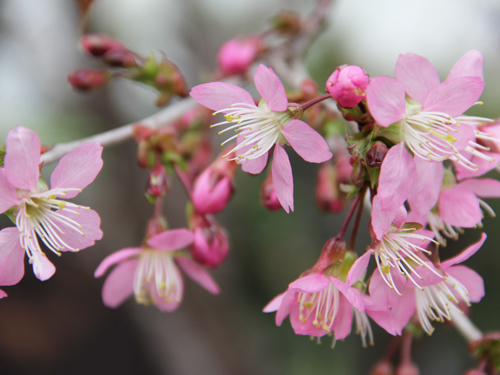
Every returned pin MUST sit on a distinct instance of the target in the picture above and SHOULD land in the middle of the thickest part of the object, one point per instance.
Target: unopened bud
(287, 23)
(122, 58)
(328, 196)
(155, 226)
(382, 368)
(268, 195)
(98, 44)
(214, 187)
(236, 55)
(211, 245)
(347, 85)
(407, 368)
(376, 154)
(87, 79)
(158, 183)
(334, 250)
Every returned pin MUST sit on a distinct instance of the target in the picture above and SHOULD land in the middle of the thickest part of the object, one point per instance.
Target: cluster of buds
(162, 74)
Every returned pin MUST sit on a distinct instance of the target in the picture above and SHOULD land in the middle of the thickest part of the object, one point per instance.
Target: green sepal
(2, 156)
(150, 198)
(392, 133)
(414, 226)
(10, 214)
(374, 174)
(349, 189)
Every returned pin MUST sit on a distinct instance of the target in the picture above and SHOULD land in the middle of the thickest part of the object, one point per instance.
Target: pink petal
(397, 174)
(198, 274)
(483, 166)
(459, 207)
(284, 309)
(115, 258)
(358, 268)
(159, 302)
(11, 257)
(427, 276)
(352, 294)
(89, 221)
(415, 217)
(77, 169)
(454, 96)
(484, 188)
(8, 195)
(171, 239)
(424, 193)
(470, 279)
(304, 327)
(22, 158)
(417, 75)
(463, 136)
(2, 294)
(311, 283)
(401, 216)
(386, 100)
(343, 321)
(252, 166)
(270, 87)
(469, 65)
(218, 95)
(119, 285)
(282, 178)
(464, 255)
(306, 142)
(381, 219)
(274, 304)
(42, 267)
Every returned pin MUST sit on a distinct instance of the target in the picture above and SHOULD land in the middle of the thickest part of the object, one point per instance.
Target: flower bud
(376, 154)
(268, 195)
(120, 57)
(347, 85)
(382, 368)
(334, 250)
(211, 245)
(156, 225)
(407, 368)
(214, 187)
(328, 197)
(236, 55)
(158, 183)
(87, 79)
(98, 44)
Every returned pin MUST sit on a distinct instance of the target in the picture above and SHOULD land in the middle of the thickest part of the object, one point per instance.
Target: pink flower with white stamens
(39, 211)
(261, 127)
(320, 303)
(151, 272)
(428, 113)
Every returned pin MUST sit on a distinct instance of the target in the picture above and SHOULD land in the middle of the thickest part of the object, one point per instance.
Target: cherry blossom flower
(433, 298)
(427, 113)
(38, 211)
(151, 272)
(319, 303)
(259, 128)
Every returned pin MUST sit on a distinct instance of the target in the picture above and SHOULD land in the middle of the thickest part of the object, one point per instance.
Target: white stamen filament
(363, 326)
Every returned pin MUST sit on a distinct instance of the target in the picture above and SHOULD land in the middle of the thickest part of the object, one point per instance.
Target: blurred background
(61, 327)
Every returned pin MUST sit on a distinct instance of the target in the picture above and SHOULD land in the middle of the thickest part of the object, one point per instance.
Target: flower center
(259, 127)
(46, 217)
(396, 251)
(322, 307)
(156, 276)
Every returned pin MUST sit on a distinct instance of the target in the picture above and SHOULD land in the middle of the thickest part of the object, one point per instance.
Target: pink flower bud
(268, 195)
(382, 368)
(120, 57)
(236, 55)
(407, 368)
(158, 183)
(99, 44)
(329, 197)
(347, 85)
(214, 187)
(87, 79)
(211, 244)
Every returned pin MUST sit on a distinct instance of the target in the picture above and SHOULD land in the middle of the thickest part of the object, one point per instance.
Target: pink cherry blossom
(261, 127)
(38, 211)
(319, 303)
(151, 272)
(431, 297)
(427, 112)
